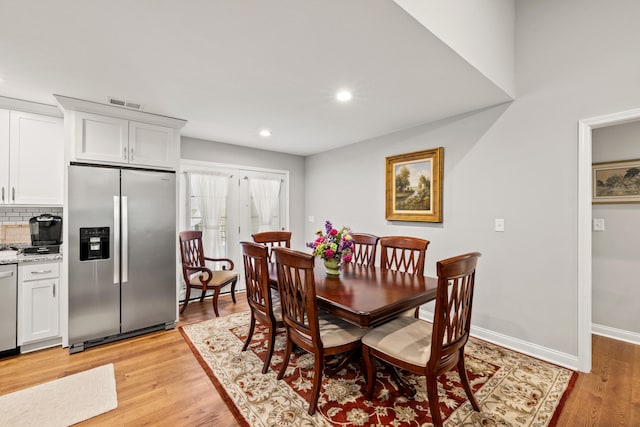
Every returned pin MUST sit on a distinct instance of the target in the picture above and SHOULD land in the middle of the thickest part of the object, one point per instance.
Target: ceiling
(234, 67)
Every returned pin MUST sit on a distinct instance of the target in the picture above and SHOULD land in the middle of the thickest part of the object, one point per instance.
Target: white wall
(217, 152)
(574, 59)
(481, 31)
(616, 258)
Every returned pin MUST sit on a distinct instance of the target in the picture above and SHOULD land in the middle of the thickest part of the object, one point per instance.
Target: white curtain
(266, 195)
(210, 190)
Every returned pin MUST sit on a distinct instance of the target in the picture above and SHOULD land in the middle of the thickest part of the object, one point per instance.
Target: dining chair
(402, 253)
(263, 301)
(364, 249)
(273, 239)
(430, 349)
(197, 275)
(311, 329)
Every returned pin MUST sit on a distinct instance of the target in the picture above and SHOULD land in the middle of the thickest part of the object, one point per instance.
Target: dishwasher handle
(5, 274)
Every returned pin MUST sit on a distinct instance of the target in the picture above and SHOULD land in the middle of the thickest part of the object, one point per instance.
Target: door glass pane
(209, 193)
(265, 203)
(196, 222)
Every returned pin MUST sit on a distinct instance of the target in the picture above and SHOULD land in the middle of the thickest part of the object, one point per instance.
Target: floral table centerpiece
(333, 246)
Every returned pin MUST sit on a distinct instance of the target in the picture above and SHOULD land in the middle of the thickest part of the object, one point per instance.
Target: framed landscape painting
(414, 186)
(616, 182)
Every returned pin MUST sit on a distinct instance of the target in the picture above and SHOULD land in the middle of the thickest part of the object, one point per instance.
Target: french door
(256, 200)
(262, 202)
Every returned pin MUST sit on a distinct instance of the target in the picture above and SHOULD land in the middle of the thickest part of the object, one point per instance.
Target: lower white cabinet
(39, 306)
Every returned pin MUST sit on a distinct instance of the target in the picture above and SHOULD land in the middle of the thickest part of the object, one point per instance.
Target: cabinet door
(36, 150)
(4, 155)
(101, 138)
(40, 312)
(151, 145)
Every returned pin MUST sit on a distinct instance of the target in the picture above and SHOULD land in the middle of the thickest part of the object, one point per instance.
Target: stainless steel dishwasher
(8, 309)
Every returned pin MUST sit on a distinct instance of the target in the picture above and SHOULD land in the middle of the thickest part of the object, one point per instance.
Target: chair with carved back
(364, 248)
(264, 302)
(402, 253)
(197, 275)
(313, 330)
(429, 349)
(273, 239)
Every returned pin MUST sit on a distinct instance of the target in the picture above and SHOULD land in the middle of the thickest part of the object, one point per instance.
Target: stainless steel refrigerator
(121, 251)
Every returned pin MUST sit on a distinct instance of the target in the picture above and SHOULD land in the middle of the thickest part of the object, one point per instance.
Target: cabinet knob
(13, 194)
(3, 194)
(124, 153)
(131, 155)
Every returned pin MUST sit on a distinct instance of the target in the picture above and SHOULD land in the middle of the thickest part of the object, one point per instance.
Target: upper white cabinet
(5, 119)
(111, 139)
(150, 144)
(101, 138)
(32, 153)
(104, 133)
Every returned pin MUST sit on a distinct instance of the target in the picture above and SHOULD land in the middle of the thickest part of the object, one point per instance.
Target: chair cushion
(335, 332)
(409, 313)
(404, 338)
(219, 278)
(275, 302)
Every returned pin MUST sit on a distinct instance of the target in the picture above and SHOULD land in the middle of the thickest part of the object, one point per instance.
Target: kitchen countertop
(12, 257)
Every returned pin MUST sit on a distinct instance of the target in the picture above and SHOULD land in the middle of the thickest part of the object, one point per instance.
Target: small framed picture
(616, 182)
(414, 186)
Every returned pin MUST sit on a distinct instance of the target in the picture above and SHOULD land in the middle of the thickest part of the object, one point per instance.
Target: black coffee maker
(46, 235)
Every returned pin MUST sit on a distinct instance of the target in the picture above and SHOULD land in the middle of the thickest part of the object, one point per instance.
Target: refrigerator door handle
(125, 240)
(116, 239)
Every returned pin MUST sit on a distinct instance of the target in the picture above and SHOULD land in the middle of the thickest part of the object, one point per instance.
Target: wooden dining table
(369, 296)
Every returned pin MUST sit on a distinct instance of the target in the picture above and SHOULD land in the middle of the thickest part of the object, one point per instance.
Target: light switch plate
(498, 224)
(598, 224)
(311, 218)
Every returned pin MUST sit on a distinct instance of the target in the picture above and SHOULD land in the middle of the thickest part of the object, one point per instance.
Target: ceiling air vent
(123, 103)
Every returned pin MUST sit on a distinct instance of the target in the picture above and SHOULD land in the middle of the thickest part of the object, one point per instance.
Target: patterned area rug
(512, 389)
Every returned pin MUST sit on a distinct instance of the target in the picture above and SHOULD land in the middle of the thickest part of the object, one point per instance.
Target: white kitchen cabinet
(150, 144)
(115, 140)
(32, 152)
(101, 138)
(39, 307)
(5, 120)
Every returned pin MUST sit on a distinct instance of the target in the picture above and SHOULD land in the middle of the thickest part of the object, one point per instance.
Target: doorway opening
(585, 156)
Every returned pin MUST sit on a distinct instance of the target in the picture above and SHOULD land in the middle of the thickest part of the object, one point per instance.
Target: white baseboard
(616, 334)
(534, 350)
(530, 349)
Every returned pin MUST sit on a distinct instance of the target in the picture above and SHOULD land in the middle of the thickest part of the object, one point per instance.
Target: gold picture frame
(414, 186)
(616, 182)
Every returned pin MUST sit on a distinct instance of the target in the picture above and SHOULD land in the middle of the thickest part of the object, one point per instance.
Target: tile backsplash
(13, 220)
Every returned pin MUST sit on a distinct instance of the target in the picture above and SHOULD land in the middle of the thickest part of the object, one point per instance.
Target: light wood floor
(160, 383)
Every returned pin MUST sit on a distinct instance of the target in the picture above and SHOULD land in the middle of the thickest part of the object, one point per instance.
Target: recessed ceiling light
(344, 96)
(265, 132)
